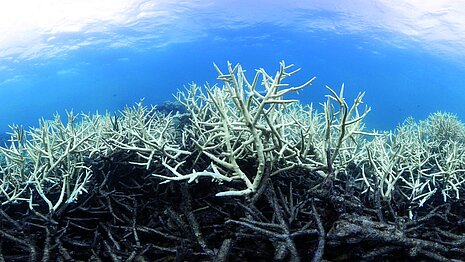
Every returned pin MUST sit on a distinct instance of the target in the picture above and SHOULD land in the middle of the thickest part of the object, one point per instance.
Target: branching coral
(244, 120)
(46, 159)
(238, 121)
(49, 164)
(418, 161)
(315, 182)
(147, 132)
(246, 130)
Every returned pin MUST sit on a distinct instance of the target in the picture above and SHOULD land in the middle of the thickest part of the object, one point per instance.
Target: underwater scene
(143, 130)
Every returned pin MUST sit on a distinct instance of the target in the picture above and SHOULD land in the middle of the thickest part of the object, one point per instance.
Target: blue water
(400, 79)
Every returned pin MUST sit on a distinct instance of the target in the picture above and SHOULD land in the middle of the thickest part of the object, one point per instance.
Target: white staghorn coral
(241, 131)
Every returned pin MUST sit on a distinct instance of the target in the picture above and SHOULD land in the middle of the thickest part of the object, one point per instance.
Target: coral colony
(274, 179)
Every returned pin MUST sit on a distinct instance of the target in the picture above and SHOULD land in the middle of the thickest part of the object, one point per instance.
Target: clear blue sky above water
(400, 80)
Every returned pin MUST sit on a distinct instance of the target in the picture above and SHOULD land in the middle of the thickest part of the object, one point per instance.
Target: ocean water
(98, 191)
(85, 56)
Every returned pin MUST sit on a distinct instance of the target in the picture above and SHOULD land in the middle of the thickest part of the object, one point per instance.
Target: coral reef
(240, 172)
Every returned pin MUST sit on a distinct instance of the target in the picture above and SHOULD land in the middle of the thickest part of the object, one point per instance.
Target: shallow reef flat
(235, 171)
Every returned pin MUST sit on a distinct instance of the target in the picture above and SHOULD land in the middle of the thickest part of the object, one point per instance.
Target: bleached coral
(244, 131)
(49, 164)
(419, 160)
(244, 119)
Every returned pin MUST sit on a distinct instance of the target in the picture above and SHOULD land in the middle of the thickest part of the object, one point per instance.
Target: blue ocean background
(407, 56)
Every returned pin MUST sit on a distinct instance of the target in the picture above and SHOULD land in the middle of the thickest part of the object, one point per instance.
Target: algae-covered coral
(291, 181)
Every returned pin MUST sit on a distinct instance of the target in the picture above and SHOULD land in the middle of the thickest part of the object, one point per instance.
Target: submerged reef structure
(239, 172)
